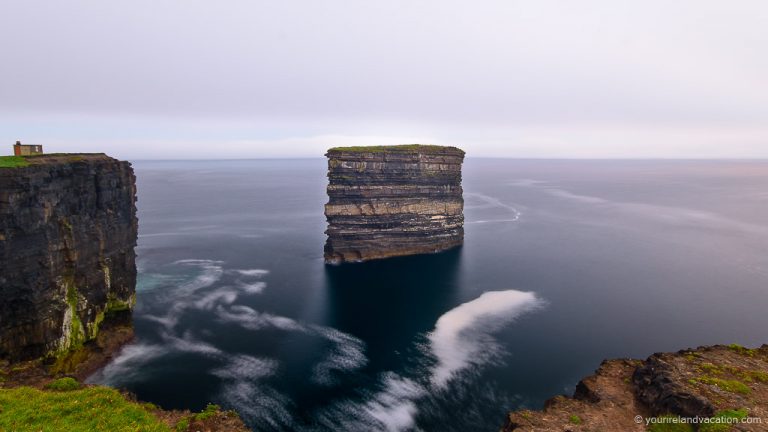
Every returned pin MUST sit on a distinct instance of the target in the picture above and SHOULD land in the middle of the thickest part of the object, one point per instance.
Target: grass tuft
(182, 425)
(209, 411)
(63, 384)
(574, 419)
(732, 386)
(741, 350)
(661, 426)
(723, 425)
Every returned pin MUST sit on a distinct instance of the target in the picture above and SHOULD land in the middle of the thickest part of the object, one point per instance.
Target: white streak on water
(252, 288)
(127, 365)
(346, 354)
(494, 202)
(461, 335)
(241, 376)
(250, 319)
(462, 342)
(253, 272)
(224, 295)
(395, 407)
(659, 213)
(491, 221)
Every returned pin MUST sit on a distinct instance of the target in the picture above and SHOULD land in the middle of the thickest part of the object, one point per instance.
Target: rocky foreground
(726, 387)
(387, 201)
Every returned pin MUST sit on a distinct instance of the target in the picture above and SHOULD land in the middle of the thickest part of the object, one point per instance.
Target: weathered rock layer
(68, 229)
(393, 200)
(722, 385)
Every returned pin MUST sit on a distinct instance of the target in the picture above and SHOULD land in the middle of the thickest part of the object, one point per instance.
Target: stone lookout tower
(20, 149)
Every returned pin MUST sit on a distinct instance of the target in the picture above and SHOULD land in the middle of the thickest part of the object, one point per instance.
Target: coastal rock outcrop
(723, 387)
(387, 201)
(68, 229)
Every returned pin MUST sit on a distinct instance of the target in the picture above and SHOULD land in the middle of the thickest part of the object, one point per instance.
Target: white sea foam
(394, 408)
(187, 343)
(253, 399)
(126, 366)
(253, 272)
(461, 335)
(198, 261)
(240, 366)
(492, 221)
(462, 340)
(346, 354)
(252, 288)
(224, 295)
(211, 273)
(250, 319)
(495, 202)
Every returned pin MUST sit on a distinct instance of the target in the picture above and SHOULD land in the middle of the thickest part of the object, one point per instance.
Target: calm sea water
(565, 263)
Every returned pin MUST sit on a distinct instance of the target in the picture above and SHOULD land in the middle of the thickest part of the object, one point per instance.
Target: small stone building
(20, 149)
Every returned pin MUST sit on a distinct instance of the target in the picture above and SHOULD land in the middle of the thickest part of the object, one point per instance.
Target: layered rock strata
(718, 385)
(68, 229)
(388, 201)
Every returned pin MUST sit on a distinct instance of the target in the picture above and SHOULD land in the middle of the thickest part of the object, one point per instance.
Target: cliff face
(68, 228)
(393, 200)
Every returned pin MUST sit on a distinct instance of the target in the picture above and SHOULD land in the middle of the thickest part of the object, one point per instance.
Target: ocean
(565, 263)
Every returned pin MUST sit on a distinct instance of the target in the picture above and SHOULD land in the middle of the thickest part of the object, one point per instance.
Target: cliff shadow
(388, 303)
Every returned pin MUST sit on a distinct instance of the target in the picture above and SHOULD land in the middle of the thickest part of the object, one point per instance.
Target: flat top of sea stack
(402, 148)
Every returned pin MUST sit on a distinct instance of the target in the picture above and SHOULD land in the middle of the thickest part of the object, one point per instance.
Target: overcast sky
(158, 79)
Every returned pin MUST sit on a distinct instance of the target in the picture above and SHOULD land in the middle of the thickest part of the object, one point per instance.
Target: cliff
(388, 201)
(68, 228)
(722, 387)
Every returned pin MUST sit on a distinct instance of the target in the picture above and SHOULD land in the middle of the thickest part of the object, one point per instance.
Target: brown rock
(393, 200)
(689, 383)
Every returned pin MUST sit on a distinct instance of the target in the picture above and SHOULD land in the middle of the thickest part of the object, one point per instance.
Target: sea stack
(387, 201)
(68, 229)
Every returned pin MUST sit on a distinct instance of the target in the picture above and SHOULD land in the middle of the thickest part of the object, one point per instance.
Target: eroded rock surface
(68, 229)
(393, 200)
(707, 382)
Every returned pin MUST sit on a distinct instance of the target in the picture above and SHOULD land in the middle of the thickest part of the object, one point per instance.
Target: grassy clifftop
(65, 405)
(64, 408)
(48, 158)
(13, 162)
(403, 148)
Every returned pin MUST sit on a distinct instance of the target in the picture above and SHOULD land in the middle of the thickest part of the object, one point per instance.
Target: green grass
(725, 414)
(574, 419)
(732, 386)
(758, 376)
(423, 148)
(25, 409)
(182, 425)
(13, 162)
(209, 411)
(741, 350)
(670, 427)
(63, 384)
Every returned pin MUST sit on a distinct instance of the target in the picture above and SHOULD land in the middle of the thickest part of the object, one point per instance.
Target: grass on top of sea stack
(13, 162)
(409, 148)
(82, 410)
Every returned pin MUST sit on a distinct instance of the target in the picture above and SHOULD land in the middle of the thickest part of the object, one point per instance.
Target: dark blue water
(565, 263)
